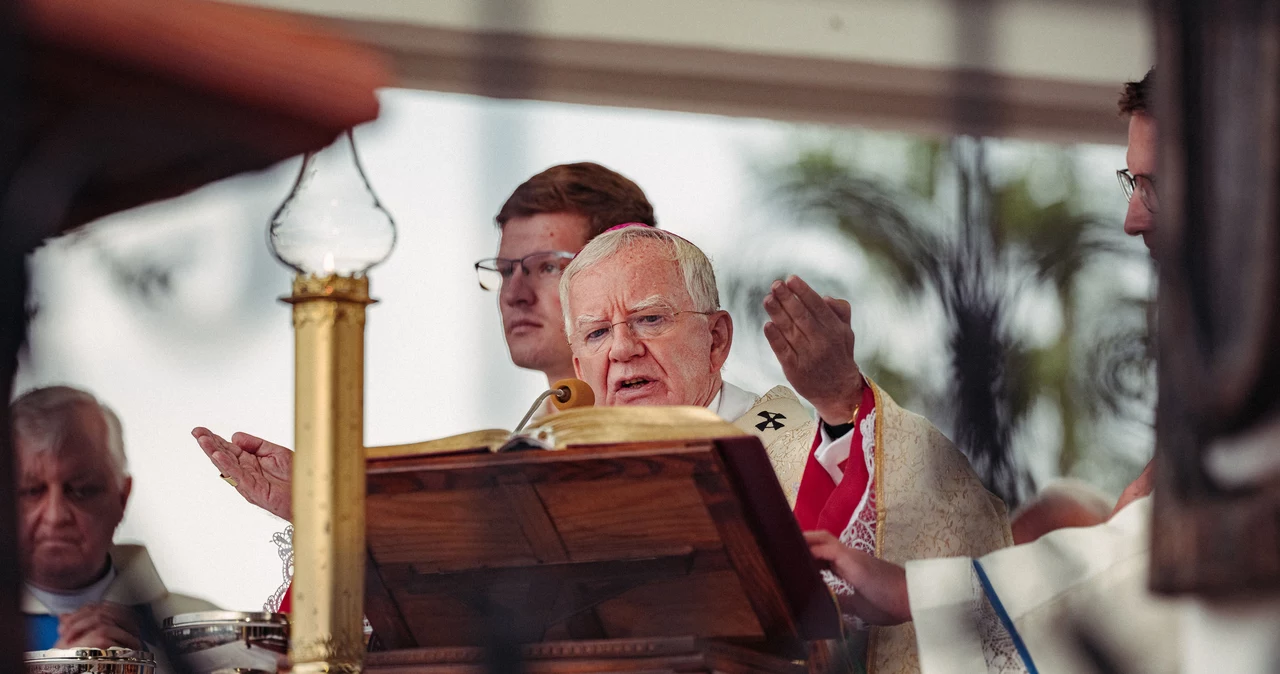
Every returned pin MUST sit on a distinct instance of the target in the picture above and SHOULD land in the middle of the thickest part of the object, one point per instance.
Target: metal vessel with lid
(210, 641)
(89, 660)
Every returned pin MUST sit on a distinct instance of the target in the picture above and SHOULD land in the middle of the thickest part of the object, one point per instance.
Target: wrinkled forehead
(542, 232)
(77, 437)
(72, 463)
(642, 275)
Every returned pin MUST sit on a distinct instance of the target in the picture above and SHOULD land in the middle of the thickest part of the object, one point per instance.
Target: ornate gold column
(328, 474)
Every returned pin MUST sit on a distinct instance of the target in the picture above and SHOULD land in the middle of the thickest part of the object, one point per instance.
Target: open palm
(262, 470)
(813, 340)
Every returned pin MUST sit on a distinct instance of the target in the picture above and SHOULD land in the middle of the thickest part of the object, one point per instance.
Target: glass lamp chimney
(332, 223)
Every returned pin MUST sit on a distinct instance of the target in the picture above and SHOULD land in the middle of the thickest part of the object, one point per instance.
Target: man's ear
(125, 489)
(577, 368)
(721, 338)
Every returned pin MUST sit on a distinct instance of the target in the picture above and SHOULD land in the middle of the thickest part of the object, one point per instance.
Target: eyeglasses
(1141, 183)
(539, 267)
(648, 324)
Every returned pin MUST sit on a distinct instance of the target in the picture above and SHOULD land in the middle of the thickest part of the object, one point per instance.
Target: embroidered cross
(770, 422)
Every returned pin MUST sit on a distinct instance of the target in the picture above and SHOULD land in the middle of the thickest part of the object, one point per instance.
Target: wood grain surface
(646, 540)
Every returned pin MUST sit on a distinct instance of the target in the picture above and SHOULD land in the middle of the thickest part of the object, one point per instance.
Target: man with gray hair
(645, 326)
(675, 341)
(74, 484)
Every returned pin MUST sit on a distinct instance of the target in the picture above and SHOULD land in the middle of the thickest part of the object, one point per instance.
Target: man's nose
(625, 345)
(55, 509)
(518, 289)
(1137, 219)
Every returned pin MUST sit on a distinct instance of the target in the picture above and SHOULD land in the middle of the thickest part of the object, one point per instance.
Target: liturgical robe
(1023, 609)
(896, 488)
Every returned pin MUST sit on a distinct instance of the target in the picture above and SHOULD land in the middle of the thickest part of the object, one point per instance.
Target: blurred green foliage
(949, 232)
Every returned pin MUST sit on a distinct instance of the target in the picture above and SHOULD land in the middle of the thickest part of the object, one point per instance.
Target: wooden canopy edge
(125, 102)
(269, 60)
(705, 80)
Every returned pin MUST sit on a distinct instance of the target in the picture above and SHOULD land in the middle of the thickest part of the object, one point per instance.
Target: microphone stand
(567, 393)
(562, 393)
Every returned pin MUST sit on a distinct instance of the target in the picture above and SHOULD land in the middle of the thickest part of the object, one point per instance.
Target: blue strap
(1005, 619)
(42, 631)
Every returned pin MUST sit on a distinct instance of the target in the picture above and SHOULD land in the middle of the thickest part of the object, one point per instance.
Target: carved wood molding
(607, 648)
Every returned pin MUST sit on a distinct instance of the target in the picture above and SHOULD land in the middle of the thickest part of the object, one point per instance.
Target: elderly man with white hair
(73, 486)
(645, 326)
(643, 318)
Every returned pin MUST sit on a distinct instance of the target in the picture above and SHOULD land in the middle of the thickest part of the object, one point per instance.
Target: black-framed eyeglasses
(540, 267)
(1141, 183)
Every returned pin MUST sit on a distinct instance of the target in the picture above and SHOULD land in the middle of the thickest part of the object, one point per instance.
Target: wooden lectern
(658, 556)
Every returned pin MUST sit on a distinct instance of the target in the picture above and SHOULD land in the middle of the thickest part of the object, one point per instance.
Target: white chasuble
(1023, 609)
(929, 503)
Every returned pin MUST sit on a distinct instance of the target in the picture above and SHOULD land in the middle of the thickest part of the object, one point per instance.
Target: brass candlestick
(332, 230)
(328, 474)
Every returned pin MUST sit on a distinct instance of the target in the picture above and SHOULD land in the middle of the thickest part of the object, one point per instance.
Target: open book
(580, 426)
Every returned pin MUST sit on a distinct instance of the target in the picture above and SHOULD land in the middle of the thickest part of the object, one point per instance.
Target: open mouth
(634, 385)
(634, 382)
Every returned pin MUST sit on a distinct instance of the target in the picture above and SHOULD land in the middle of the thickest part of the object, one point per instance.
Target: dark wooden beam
(1217, 509)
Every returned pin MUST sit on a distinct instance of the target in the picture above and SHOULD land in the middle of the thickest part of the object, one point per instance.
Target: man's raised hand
(262, 470)
(813, 340)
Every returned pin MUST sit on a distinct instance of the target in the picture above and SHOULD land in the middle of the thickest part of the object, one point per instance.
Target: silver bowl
(92, 660)
(213, 641)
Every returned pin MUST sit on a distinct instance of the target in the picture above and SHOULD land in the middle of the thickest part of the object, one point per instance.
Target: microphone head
(570, 393)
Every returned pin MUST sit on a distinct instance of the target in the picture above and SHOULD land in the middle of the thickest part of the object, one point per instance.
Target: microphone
(571, 393)
(565, 394)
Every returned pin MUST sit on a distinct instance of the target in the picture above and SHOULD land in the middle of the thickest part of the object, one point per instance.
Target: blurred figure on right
(1026, 608)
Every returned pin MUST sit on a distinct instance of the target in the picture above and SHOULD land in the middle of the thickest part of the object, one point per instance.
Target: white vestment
(1240, 635)
(133, 581)
(1024, 608)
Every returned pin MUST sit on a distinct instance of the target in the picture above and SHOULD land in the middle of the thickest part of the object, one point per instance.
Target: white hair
(41, 417)
(699, 276)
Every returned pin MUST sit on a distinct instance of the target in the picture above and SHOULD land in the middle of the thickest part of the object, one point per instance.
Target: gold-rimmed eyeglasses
(1141, 183)
(540, 267)
(648, 324)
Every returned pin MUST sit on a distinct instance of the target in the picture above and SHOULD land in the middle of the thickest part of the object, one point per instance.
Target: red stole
(821, 503)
